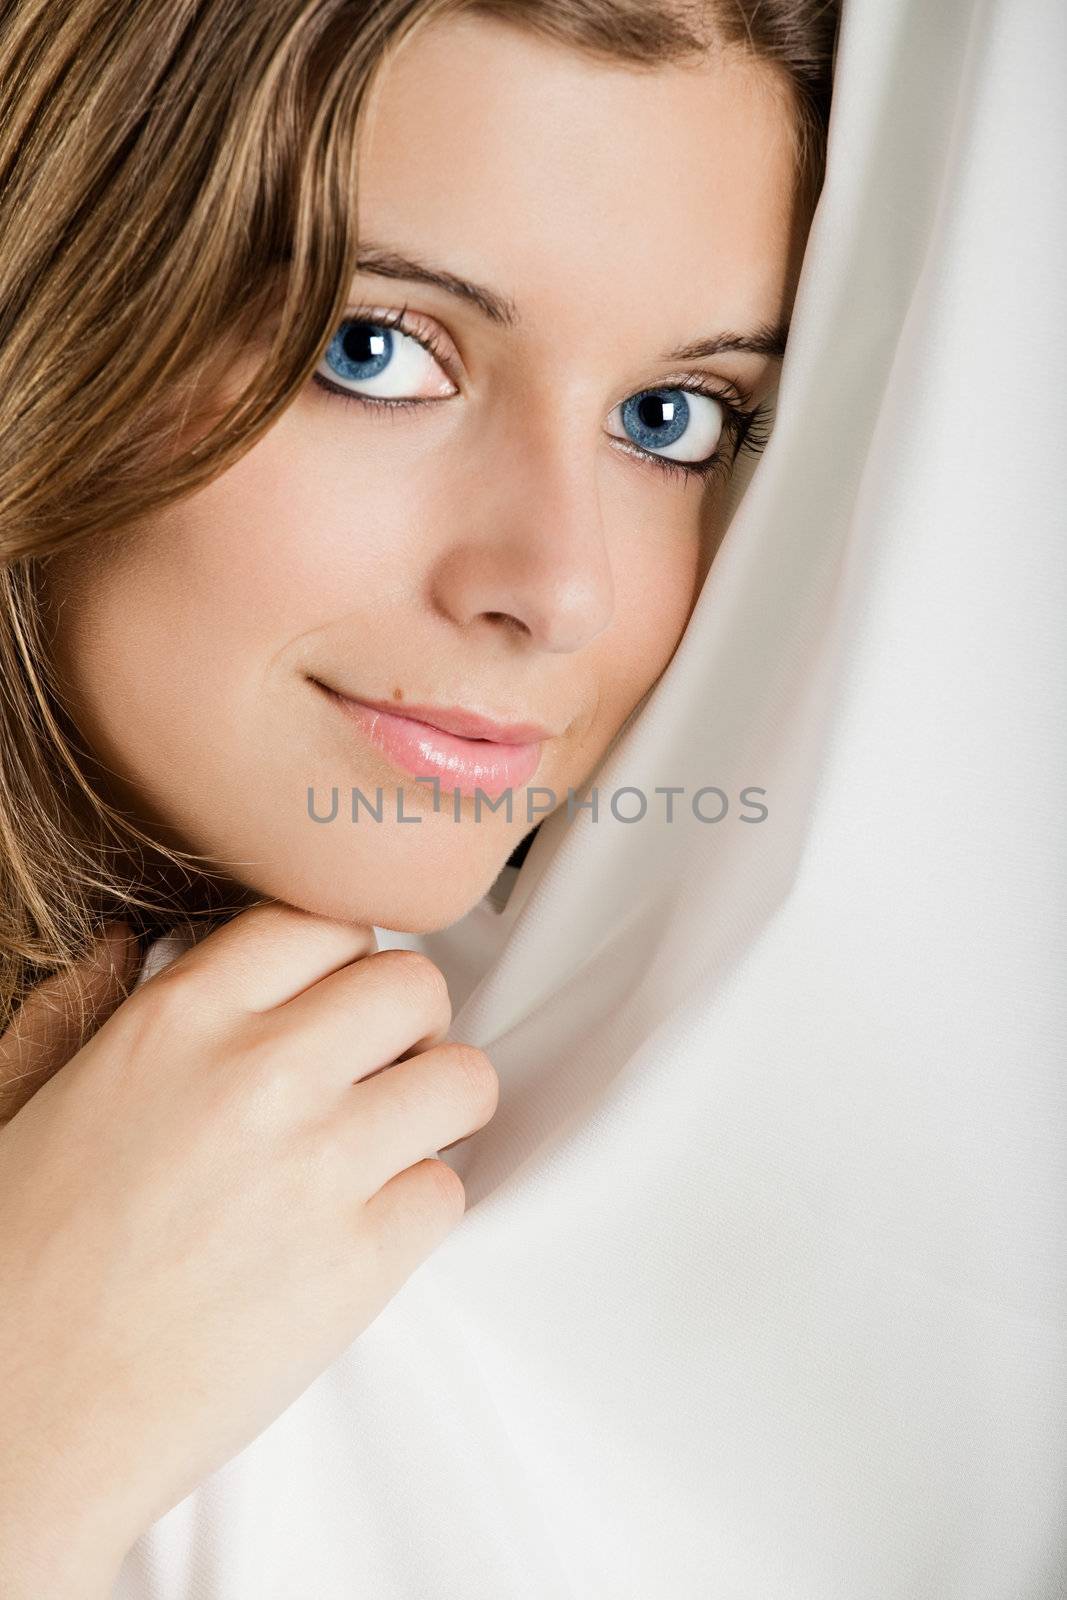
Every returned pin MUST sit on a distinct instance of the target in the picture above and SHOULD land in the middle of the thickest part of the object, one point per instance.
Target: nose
(528, 549)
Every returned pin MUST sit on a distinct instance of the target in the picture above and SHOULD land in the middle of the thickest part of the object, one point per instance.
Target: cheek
(660, 580)
(281, 545)
(179, 644)
(657, 585)
(283, 540)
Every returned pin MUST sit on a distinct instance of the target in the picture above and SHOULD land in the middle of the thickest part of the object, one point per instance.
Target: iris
(360, 350)
(656, 417)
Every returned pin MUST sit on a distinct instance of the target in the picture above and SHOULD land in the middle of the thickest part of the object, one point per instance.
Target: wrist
(51, 1547)
(52, 1562)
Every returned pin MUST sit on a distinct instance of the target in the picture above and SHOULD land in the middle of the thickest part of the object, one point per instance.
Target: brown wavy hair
(174, 178)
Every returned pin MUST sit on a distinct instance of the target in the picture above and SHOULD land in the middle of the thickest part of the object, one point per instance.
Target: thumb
(61, 1014)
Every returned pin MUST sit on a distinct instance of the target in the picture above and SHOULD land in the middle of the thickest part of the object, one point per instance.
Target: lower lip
(427, 752)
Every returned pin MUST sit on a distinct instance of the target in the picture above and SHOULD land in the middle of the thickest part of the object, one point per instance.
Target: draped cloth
(759, 1292)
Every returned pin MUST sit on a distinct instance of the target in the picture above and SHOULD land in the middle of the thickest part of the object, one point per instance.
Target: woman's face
(527, 543)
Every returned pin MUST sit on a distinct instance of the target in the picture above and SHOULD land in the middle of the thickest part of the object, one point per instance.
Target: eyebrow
(382, 262)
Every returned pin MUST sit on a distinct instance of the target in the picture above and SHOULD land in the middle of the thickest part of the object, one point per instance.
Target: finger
(266, 956)
(419, 1106)
(61, 1014)
(361, 1018)
(400, 1226)
(409, 1216)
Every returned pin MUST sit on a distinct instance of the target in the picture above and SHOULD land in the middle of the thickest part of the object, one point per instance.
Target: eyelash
(747, 425)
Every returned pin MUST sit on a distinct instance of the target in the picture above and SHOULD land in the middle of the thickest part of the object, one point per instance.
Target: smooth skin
(210, 1198)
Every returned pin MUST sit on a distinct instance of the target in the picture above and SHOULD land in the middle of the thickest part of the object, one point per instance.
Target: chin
(393, 888)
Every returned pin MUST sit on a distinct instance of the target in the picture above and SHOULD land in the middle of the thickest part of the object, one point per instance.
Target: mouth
(464, 750)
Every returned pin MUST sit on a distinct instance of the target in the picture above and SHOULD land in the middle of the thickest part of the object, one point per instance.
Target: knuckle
(174, 992)
(422, 978)
(276, 914)
(446, 1188)
(475, 1073)
(274, 917)
(166, 1008)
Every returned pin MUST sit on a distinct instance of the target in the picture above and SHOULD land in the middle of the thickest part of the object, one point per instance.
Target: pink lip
(467, 724)
(504, 758)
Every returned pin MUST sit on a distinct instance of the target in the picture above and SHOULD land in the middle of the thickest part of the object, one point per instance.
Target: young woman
(371, 383)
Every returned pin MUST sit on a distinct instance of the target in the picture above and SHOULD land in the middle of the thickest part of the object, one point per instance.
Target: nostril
(507, 619)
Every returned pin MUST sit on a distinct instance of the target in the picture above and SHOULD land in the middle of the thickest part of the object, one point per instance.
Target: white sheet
(759, 1294)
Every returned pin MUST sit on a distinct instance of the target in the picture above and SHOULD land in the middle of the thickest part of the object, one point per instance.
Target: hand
(203, 1208)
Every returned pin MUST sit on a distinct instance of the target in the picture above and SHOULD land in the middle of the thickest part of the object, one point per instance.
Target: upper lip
(458, 720)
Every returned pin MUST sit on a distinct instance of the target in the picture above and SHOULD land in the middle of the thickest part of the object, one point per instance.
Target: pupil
(361, 343)
(654, 412)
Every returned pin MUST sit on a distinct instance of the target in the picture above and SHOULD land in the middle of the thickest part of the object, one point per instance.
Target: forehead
(555, 176)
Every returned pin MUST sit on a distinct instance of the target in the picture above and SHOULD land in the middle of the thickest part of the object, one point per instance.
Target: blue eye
(379, 361)
(675, 423)
(360, 350)
(376, 360)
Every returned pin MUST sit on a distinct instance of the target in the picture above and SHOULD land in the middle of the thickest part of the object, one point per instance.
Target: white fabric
(759, 1293)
